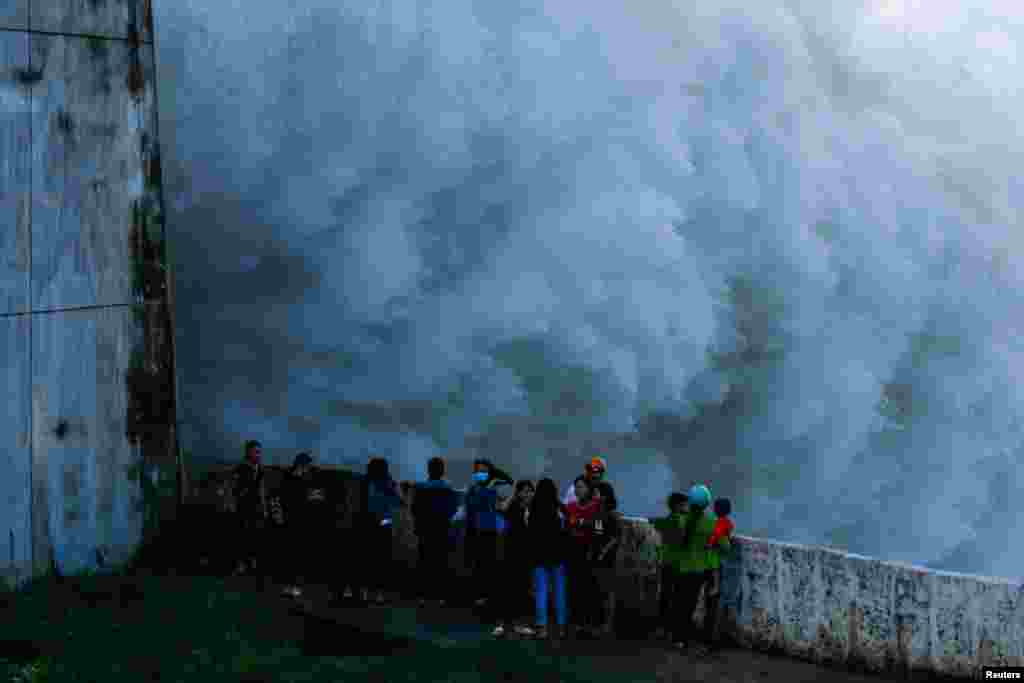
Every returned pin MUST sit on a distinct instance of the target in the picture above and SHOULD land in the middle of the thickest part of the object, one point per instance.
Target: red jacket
(723, 528)
(581, 520)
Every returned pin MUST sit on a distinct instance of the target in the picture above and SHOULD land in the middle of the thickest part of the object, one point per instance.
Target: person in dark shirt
(584, 594)
(307, 522)
(484, 523)
(547, 538)
(516, 566)
(434, 504)
(669, 529)
(373, 530)
(604, 554)
(250, 507)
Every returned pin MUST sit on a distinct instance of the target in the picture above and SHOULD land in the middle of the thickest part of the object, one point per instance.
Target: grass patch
(114, 628)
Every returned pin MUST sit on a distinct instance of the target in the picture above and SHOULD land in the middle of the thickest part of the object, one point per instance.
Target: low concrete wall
(833, 607)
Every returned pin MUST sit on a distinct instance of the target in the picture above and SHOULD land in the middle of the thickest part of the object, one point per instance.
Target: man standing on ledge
(593, 472)
(250, 502)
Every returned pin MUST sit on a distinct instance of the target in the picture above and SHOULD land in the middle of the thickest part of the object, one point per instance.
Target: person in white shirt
(593, 472)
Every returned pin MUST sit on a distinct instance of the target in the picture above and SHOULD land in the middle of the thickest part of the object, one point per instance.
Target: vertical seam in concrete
(31, 327)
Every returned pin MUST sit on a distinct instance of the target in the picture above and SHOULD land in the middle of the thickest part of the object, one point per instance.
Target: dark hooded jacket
(301, 511)
(434, 505)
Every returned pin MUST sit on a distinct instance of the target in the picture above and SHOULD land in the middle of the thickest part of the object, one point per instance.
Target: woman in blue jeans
(548, 541)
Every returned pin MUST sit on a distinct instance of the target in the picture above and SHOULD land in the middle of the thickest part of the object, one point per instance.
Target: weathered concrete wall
(88, 440)
(831, 606)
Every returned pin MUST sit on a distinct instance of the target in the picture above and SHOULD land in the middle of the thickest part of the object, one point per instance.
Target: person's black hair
(545, 502)
(493, 473)
(378, 470)
(590, 485)
(524, 483)
(497, 474)
(723, 507)
(300, 460)
(251, 444)
(435, 468)
(607, 493)
(675, 498)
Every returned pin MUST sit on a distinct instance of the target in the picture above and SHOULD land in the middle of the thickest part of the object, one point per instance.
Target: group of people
(528, 550)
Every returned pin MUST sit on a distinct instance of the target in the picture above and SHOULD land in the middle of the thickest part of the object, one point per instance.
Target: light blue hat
(699, 495)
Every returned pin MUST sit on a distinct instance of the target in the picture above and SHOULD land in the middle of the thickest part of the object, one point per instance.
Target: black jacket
(547, 539)
(247, 485)
(300, 510)
(433, 506)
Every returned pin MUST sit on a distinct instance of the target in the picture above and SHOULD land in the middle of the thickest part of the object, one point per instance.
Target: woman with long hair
(547, 539)
(516, 569)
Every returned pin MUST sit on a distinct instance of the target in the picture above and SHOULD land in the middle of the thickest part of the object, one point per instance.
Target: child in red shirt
(723, 526)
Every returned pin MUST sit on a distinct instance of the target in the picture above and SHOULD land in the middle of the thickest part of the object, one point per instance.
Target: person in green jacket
(691, 566)
(666, 526)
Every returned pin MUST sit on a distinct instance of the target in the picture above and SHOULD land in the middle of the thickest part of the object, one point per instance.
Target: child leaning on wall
(720, 545)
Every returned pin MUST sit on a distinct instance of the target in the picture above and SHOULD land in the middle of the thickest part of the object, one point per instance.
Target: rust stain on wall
(150, 379)
(148, 13)
(41, 548)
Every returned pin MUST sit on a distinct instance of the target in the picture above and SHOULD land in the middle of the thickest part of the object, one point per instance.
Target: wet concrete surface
(401, 626)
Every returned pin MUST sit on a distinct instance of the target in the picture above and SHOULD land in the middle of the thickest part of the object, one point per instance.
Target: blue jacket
(435, 504)
(481, 509)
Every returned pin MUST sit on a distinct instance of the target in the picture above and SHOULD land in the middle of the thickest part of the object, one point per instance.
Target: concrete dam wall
(87, 438)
